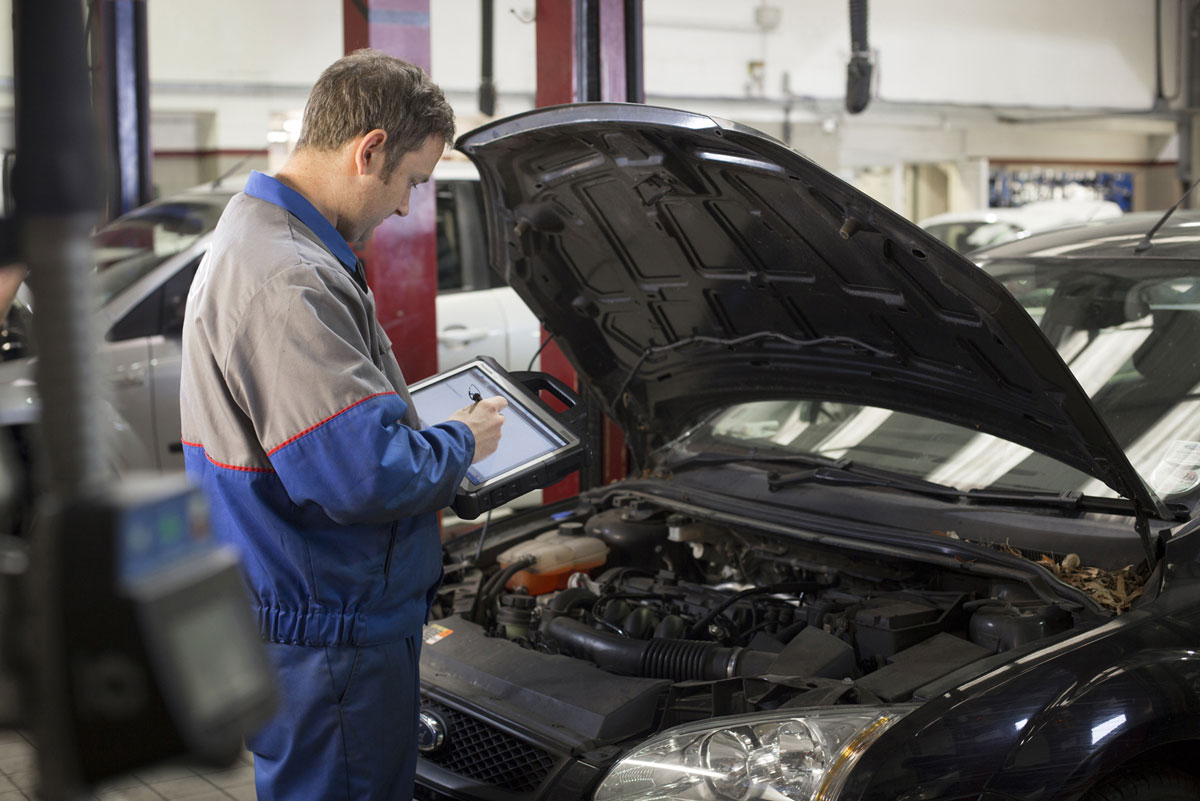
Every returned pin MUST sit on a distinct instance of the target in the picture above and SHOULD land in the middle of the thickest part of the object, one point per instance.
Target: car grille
(483, 753)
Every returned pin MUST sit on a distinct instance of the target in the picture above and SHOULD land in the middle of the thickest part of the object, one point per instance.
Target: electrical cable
(482, 536)
(789, 586)
(538, 352)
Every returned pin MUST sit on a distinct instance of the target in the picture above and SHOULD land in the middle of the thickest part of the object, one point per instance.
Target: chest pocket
(378, 344)
(381, 350)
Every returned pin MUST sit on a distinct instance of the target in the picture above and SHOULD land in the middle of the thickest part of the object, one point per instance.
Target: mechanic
(298, 424)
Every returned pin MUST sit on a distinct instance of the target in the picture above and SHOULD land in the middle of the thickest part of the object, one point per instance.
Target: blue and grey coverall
(298, 425)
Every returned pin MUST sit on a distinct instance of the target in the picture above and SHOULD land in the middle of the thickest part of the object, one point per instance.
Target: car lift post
(588, 50)
(121, 92)
(401, 256)
(55, 186)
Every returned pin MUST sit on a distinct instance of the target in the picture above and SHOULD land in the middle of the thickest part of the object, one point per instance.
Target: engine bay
(643, 617)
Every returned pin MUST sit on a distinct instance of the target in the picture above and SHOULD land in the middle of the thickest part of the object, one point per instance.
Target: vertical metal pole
(1193, 55)
(487, 84)
(55, 184)
(126, 100)
(1189, 143)
(55, 177)
(558, 64)
(635, 91)
(583, 50)
(588, 20)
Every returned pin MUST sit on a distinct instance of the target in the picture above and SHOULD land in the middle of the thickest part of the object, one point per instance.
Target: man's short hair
(368, 89)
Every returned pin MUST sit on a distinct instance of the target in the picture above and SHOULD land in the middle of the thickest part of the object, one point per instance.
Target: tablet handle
(537, 381)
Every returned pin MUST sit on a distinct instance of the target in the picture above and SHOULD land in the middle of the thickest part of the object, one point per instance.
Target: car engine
(628, 619)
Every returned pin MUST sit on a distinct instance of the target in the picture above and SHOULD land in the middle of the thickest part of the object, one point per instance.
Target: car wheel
(1147, 783)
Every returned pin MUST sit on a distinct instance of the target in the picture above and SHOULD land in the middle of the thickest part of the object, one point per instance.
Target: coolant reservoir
(558, 556)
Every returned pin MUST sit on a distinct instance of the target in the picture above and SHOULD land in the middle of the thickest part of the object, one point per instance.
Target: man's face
(383, 198)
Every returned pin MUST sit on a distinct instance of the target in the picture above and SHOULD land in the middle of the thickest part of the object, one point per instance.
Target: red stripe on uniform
(312, 428)
(227, 466)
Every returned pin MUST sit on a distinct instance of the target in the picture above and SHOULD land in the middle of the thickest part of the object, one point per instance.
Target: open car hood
(685, 263)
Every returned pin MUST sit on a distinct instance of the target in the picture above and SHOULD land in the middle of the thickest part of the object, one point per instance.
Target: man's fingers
(496, 403)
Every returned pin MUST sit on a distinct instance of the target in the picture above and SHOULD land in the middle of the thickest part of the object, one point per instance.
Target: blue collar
(264, 187)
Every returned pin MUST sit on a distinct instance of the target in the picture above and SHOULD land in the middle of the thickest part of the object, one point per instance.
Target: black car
(897, 525)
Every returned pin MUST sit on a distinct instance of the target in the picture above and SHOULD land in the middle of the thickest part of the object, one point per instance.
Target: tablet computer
(538, 446)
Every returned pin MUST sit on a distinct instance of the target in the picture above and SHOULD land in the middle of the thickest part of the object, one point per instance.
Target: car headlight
(788, 755)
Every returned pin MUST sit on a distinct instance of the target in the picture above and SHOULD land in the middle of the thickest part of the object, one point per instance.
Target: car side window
(461, 246)
(160, 312)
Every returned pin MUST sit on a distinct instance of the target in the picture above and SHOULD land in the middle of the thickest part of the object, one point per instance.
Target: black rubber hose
(487, 82)
(572, 598)
(678, 660)
(495, 586)
(858, 71)
(858, 26)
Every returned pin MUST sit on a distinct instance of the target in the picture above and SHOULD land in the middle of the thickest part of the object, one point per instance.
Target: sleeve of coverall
(327, 417)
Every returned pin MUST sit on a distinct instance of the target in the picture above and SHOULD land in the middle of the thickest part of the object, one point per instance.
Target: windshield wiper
(717, 458)
(844, 472)
(849, 474)
(1068, 500)
(852, 475)
(1071, 500)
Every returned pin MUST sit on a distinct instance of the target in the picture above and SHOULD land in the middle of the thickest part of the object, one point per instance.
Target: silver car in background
(146, 260)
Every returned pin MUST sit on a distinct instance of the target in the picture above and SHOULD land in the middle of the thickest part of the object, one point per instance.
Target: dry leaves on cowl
(1112, 589)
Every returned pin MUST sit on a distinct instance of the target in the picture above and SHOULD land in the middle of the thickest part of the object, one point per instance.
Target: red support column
(565, 70)
(401, 257)
(556, 52)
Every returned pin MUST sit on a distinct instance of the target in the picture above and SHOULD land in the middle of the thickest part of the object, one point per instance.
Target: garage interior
(938, 107)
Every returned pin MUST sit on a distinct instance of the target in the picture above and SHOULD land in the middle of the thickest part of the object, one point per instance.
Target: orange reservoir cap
(558, 556)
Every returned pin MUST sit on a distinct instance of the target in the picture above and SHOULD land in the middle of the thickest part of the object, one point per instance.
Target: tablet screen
(523, 437)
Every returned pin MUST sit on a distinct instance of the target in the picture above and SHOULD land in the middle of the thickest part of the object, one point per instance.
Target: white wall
(942, 67)
(1053, 53)
(245, 59)
(1047, 53)
(284, 42)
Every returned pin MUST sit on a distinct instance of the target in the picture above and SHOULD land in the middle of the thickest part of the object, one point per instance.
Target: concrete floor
(18, 780)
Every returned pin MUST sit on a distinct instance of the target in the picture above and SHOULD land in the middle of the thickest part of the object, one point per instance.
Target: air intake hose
(678, 660)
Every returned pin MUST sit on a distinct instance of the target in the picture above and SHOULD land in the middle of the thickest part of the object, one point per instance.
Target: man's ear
(368, 152)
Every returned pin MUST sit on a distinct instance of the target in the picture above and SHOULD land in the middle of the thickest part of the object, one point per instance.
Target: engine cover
(568, 699)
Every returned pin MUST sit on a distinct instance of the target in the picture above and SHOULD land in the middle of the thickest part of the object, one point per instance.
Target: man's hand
(484, 418)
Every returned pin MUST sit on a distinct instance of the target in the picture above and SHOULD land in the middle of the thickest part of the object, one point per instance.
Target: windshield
(1129, 332)
(134, 244)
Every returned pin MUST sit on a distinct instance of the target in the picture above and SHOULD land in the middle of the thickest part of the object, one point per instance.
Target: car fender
(1092, 728)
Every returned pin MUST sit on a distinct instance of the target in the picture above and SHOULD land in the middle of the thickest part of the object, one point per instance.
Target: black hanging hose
(858, 71)
(487, 83)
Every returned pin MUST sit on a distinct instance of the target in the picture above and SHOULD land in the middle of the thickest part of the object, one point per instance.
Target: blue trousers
(346, 726)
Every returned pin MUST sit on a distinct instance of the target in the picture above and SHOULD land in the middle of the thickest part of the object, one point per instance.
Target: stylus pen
(475, 396)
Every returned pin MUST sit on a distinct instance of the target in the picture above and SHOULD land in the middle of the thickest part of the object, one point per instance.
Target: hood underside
(685, 263)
